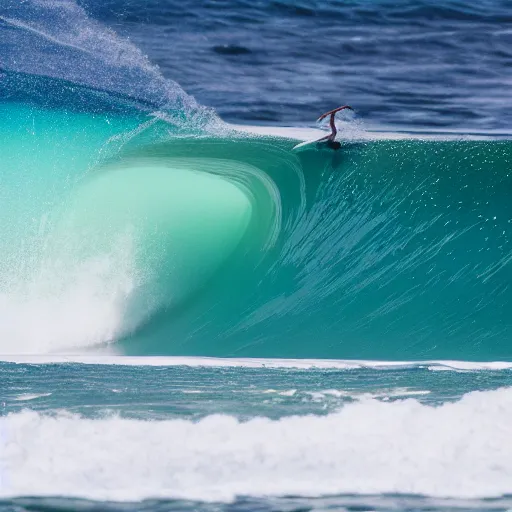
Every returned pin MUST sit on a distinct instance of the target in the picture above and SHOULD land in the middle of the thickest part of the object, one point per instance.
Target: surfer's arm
(323, 116)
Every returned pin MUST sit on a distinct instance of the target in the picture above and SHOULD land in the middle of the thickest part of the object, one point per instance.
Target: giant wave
(132, 218)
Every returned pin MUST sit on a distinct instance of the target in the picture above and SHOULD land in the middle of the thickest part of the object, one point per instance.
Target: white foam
(459, 450)
(108, 358)
(30, 396)
(351, 131)
(363, 395)
(289, 392)
(396, 392)
(65, 306)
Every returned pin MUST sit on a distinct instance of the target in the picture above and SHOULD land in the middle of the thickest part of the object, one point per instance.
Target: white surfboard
(318, 144)
(303, 145)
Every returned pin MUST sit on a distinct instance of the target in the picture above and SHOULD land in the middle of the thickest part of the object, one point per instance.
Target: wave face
(387, 250)
(132, 218)
(239, 246)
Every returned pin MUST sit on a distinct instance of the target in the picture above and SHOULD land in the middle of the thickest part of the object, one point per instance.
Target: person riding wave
(331, 138)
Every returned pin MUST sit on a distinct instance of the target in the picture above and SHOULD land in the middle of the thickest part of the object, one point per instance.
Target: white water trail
(457, 450)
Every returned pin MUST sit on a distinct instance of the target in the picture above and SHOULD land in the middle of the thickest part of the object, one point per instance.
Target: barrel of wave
(150, 233)
(136, 237)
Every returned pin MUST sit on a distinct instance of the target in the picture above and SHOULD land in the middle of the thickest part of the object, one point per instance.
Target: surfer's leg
(333, 127)
(331, 138)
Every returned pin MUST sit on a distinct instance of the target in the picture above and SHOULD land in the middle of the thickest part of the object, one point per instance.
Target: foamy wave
(459, 449)
(30, 396)
(357, 131)
(103, 358)
(67, 306)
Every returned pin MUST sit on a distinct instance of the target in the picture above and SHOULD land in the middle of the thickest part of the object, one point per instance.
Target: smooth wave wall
(387, 249)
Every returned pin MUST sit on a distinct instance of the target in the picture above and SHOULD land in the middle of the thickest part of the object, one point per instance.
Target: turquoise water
(236, 245)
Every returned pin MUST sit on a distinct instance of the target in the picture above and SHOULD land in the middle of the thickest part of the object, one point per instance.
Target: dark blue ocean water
(409, 64)
(237, 435)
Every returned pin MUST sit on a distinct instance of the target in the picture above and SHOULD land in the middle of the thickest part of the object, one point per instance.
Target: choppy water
(413, 64)
(256, 438)
(136, 226)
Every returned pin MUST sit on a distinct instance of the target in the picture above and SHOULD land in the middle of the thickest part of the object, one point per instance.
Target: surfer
(330, 139)
(331, 142)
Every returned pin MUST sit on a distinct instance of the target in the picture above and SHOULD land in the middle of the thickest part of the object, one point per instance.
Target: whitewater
(194, 315)
(206, 435)
(366, 448)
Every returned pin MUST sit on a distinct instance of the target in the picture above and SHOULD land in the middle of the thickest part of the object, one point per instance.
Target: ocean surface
(410, 64)
(197, 314)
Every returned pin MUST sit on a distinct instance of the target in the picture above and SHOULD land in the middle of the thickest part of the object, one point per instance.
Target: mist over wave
(59, 40)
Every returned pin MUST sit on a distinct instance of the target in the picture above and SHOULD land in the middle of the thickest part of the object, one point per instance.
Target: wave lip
(49, 39)
(456, 450)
